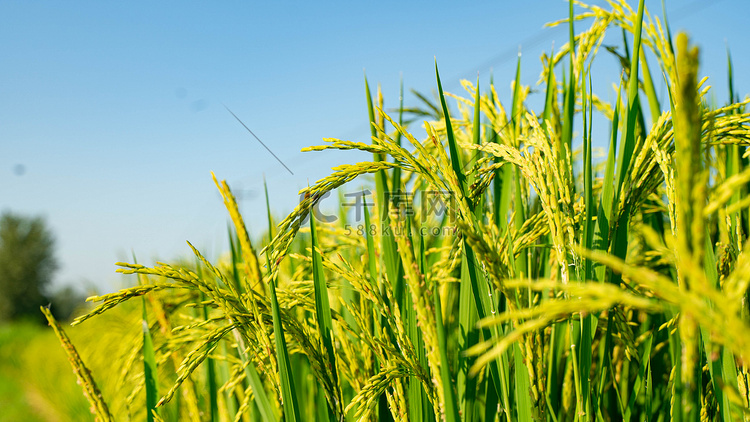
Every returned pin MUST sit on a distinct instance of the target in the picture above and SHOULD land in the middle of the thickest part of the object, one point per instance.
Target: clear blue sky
(115, 109)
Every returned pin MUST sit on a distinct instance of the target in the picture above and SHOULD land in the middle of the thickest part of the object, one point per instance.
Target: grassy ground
(36, 383)
(18, 400)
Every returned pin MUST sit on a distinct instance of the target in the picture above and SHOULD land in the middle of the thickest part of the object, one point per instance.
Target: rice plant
(498, 272)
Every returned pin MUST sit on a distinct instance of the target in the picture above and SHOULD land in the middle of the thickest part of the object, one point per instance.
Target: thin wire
(258, 139)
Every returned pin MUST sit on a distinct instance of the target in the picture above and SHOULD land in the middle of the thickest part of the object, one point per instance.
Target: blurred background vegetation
(30, 354)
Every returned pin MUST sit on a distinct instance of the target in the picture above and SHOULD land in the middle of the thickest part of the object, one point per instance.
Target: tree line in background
(27, 266)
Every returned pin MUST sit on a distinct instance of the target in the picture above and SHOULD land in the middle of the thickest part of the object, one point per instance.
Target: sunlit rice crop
(500, 272)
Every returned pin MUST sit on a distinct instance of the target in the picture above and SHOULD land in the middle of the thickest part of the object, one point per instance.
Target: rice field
(493, 269)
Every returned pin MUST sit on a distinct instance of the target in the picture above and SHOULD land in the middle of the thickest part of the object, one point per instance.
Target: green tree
(27, 263)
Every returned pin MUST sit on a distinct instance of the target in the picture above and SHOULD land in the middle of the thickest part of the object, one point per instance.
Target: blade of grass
(606, 196)
(721, 372)
(666, 26)
(516, 107)
(268, 211)
(557, 338)
(524, 410)
(497, 183)
(650, 90)
(566, 140)
(420, 408)
(289, 399)
(393, 270)
(482, 295)
(467, 337)
(627, 147)
(639, 379)
(730, 78)
(449, 397)
(396, 181)
(234, 254)
(555, 368)
(467, 316)
(288, 390)
(371, 263)
(213, 394)
(491, 410)
(390, 256)
(675, 349)
(323, 315)
(584, 346)
(550, 96)
(253, 379)
(415, 396)
(383, 412)
(626, 150)
(649, 390)
(210, 361)
(149, 367)
(519, 206)
(452, 146)
(604, 366)
(224, 374)
(149, 359)
(348, 293)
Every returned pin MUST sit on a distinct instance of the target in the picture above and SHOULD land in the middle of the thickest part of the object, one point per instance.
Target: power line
(258, 139)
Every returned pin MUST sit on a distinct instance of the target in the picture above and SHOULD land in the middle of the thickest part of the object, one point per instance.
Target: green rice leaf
(524, 410)
(482, 294)
(253, 378)
(449, 397)
(584, 346)
(213, 393)
(289, 398)
(396, 181)
(627, 147)
(323, 314)
(149, 367)
(452, 145)
(640, 379)
(650, 89)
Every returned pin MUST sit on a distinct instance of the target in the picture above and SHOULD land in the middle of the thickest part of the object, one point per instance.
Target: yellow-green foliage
(553, 288)
(31, 357)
